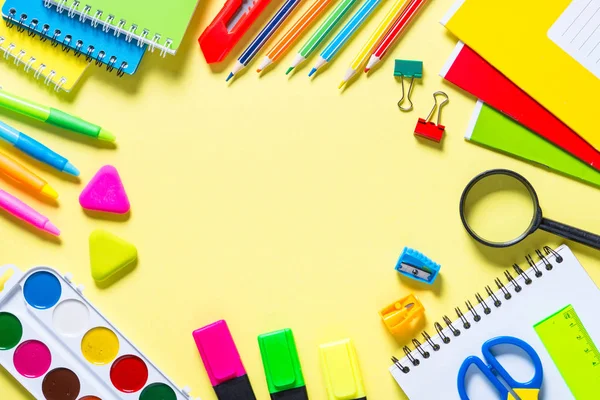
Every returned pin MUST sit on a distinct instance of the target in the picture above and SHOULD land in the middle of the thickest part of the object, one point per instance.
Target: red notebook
(469, 71)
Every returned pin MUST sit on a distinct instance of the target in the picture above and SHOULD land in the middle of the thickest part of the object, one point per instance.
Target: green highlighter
(282, 366)
(53, 116)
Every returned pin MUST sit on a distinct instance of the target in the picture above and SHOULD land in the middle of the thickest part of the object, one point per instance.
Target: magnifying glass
(500, 208)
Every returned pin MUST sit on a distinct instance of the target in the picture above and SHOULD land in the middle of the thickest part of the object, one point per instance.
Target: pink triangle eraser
(105, 192)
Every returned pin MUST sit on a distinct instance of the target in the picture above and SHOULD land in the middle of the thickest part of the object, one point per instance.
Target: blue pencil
(346, 33)
(264, 36)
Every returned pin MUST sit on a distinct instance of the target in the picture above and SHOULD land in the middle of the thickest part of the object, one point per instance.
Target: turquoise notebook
(495, 130)
(70, 35)
(158, 23)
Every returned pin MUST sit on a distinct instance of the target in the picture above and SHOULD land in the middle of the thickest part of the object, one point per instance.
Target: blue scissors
(492, 370)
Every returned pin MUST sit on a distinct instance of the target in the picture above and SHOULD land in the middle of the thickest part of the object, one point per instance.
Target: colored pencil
(322, 32)
(282, 14)
(294, 33)
(345, 34)
(363, 55)
(395, 32)
(18, 172)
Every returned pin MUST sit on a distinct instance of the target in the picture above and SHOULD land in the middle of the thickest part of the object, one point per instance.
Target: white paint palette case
(60, 347)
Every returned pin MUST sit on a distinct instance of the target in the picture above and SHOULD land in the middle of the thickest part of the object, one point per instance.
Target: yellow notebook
(549, 48)
(48, 64)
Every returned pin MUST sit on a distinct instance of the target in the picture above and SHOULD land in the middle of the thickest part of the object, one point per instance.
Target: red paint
(129, 374)
(473, 74)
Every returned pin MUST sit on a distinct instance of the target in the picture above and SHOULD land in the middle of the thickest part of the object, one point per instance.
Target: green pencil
(321, 34)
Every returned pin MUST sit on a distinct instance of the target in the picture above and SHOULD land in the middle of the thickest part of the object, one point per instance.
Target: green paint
(23, 106)
(497, 131)
(573, 352)
(11, 331)
(69, 122)
(326, 27)
(158, 391)
(280, 360)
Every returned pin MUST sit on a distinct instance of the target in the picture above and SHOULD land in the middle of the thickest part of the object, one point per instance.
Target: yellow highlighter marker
(341, 372)
(374, 39)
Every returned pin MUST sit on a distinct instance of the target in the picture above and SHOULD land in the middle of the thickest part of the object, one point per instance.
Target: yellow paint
(274, 223)
(100, 346)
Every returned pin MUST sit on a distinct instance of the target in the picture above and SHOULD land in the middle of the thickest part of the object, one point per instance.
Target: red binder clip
(228, 27)
(428, 129)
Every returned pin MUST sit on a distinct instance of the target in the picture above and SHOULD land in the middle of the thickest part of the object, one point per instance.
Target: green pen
(282, 366)
(321, 34)
(53, 116)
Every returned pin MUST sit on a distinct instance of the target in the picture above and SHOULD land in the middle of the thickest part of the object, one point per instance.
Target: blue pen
(346, 33)
(35, 149)
(263, 36)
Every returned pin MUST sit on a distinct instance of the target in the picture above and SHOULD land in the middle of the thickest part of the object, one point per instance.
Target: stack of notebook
(534, 66)
(56, 40)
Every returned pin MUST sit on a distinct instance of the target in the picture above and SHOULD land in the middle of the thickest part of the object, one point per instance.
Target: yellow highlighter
(374, 39)
(341, 372)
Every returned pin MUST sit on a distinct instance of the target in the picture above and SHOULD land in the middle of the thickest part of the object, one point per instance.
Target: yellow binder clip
(402, 315)
(341, 372)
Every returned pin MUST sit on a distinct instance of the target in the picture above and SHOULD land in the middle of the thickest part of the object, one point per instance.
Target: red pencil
(395, 31)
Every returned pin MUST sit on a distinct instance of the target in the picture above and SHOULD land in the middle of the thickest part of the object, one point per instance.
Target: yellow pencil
(374, 39)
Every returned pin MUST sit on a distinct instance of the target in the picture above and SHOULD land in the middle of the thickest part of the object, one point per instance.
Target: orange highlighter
(228, 27)
(19, 173)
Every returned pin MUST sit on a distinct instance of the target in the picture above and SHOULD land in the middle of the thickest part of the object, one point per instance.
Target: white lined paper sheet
(577, 32)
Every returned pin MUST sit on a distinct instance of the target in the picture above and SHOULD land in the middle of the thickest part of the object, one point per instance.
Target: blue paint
(42, 290)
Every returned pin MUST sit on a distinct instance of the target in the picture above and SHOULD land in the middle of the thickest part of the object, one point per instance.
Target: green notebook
(158, 23)
(495, 130)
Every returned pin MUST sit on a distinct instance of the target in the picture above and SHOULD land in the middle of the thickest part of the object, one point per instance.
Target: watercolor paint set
(60, 347)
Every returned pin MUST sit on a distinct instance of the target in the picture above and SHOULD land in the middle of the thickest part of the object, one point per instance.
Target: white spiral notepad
(434, 376)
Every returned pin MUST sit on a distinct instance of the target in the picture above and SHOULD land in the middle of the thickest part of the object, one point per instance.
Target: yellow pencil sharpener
(403, 315)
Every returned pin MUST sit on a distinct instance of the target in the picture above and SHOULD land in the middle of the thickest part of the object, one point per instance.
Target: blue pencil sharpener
(417, 266)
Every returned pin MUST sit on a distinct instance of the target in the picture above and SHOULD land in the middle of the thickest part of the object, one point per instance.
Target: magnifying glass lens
(499, 208)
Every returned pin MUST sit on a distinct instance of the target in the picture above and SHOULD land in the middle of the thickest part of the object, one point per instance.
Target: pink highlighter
(222, 362)
(24, 212)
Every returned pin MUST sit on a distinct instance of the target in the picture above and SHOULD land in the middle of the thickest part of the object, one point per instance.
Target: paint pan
(59, 347)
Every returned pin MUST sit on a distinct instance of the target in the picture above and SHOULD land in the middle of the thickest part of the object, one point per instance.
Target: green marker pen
(282, 366)
(321, 34)
(53, 116)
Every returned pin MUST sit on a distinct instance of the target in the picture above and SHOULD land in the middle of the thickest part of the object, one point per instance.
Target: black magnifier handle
(571, 233)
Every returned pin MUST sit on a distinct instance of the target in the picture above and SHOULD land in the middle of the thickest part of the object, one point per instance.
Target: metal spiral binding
(519, 271)
(20, 58)
(65, 43)
(107, 22)
(467, 320)
(536, 270)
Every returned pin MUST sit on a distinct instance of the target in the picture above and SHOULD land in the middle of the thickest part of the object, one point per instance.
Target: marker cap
(341, 371)
(282, 365)
(222, 362)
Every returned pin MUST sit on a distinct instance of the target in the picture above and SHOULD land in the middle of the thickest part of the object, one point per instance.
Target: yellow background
(275, 202)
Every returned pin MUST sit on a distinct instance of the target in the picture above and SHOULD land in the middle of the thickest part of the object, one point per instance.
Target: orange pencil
(19, 173)
(294, 33)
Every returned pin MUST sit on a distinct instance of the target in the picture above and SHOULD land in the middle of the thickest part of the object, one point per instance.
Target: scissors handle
(571, 233)
(484, 368)
(538, 375)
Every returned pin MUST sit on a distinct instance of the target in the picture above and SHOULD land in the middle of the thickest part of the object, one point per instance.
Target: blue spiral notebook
(74, 37)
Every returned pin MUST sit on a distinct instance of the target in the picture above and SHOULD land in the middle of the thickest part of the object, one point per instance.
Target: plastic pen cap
(222, 362)
(282, 365)
(341, 372)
